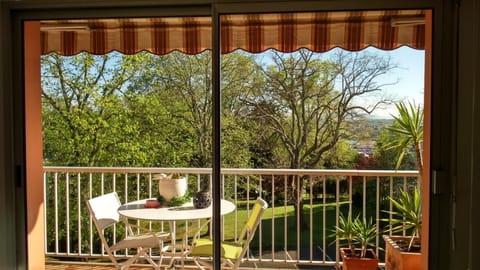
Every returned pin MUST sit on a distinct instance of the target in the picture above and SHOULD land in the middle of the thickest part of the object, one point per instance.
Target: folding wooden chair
(103, 210)
(232, 252)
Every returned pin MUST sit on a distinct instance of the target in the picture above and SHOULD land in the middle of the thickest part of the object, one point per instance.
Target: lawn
(284, 232)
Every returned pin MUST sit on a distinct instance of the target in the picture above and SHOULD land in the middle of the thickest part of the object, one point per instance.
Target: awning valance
(286, 32)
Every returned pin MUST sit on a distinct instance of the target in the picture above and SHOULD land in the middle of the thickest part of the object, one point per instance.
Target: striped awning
(286, 32)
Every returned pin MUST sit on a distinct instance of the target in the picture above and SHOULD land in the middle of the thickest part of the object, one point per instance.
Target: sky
(410, 75)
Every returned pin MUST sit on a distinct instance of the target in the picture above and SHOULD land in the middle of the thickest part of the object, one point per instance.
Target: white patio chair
(103, 210)
(232, 252)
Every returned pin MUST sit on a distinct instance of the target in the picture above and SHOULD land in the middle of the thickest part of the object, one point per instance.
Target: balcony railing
(284, 236)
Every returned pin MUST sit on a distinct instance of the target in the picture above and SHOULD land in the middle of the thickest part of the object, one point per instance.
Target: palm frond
(408, 128)
(407, 214)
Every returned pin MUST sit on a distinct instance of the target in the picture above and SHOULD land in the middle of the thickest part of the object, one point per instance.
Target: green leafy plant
(408, 126)
(407, 214)
(345, 231)
(365, 234)
(175, 201)
(356, 232)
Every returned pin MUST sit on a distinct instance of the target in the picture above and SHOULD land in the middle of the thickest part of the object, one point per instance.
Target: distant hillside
(366, 133)
(377, 125)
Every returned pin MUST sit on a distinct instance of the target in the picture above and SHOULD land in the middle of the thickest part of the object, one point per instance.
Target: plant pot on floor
(170, 186)
(396, 259)
(354, 262)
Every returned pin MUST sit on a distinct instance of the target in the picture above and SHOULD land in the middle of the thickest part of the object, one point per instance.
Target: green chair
(232, 252)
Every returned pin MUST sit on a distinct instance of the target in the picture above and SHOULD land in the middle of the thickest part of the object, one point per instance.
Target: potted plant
(408, 128)
(171, 186)
(404, 252)
(357, 232)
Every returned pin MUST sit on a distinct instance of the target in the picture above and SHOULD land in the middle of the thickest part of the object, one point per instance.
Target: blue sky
(409, 78)
(410, 75)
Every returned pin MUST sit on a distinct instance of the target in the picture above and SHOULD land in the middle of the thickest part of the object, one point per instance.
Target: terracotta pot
(354, 263)
(395, 259)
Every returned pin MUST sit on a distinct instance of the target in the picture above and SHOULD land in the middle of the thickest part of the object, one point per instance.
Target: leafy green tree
(81, 98)
(385, 158)
(306, 102)
(86, 120)
(341, 156)
(178, 87)
(183, 84)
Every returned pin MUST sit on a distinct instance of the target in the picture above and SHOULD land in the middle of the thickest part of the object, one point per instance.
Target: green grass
(283, 218)
(288, 226)
(285, 222)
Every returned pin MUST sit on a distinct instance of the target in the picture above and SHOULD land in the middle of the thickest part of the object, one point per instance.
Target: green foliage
(408, 127)
(148, 110)
(365, 234)
(356, 231)
(86, 118)
(235, 141)
(345, 230)
(175, 201)
(304, 103)
(385, 157)
(341, 156)
(408, 214)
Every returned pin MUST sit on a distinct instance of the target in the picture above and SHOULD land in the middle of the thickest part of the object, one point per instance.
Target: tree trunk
(297, 184)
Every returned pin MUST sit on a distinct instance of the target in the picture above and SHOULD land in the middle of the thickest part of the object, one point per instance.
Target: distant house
(365, 149)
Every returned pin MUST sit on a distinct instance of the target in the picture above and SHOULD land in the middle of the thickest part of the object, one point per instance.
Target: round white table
(136, 210)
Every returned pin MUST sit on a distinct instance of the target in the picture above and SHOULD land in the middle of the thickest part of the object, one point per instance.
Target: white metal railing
(283, 236)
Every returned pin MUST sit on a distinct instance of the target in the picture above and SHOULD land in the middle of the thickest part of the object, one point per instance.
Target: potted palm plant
(361, 233)
(408, 128)
(402, 252)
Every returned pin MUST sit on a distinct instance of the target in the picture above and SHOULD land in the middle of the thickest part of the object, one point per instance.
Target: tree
(341, 156)
(180, 85)
(183, 83)
(81, 98)
(86, 120)
(306, 102)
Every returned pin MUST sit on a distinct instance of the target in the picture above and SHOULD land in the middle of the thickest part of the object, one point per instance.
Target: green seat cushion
(204, 247)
